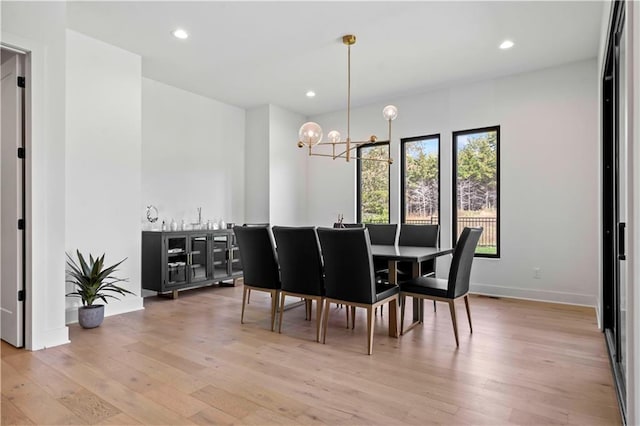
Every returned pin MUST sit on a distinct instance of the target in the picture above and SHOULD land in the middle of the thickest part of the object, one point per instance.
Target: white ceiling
(254, 53)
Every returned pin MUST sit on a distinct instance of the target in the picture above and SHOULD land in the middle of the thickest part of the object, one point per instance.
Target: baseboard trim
(537, 295)
(598, 317)
(130, 304)
(55, 337)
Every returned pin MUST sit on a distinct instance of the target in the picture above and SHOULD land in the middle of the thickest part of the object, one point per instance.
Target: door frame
(610, 213)
(22, 72)
(27, 311)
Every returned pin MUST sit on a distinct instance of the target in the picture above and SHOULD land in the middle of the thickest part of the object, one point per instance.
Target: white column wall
(103, 157)
(287, 169)
(257, 165)
(40, 29)
(548, 163)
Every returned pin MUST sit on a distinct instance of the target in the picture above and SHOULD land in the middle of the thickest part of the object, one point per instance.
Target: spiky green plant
(92, 279)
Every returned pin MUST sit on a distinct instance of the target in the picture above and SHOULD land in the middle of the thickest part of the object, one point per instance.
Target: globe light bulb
(334, 136)
(390, 112)
(310, 133)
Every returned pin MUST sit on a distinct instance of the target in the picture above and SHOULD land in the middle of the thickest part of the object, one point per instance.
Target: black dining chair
(341, 225)
(382, 234)
(350, 279)
(253, 225)
(301, 270)
(259, 265)
(455, 287)
(418, 236)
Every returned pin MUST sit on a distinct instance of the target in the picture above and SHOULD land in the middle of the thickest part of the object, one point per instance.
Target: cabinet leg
(174, 294)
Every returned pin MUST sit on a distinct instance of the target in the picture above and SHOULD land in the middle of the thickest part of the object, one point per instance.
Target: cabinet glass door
(219, 256)
(198, 258)
(177, 259)
(234, 257)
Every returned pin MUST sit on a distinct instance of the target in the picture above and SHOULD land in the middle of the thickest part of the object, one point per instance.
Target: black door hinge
(21, 153)
(21, 82)
(20, 223)
(20, 295)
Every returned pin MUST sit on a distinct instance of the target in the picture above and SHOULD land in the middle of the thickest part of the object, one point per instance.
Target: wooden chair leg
(466, 304)
(393, 317)
(347, 309)
(309, 307)
(434, 306)
(319, 313)
(244, 300)
(282, 296)
(369, 330)
(248, 296)
(274, 308)
(403, 302)
(452, 308)
(327, 309)
(353, 317)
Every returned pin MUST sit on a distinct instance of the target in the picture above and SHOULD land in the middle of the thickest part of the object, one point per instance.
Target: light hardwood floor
(189, 361)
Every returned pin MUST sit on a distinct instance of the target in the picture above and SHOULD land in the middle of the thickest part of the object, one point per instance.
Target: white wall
(276, 177)
(257, 165)
(192, 156)
(40, 29)
(548, 163)
(287, 169)
(103, 156)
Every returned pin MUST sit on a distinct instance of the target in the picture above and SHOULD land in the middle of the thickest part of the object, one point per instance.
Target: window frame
(403, 164)
(454, 186)
(358, 180)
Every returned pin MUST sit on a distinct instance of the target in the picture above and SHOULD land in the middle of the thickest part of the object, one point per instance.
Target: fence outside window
(489, 234)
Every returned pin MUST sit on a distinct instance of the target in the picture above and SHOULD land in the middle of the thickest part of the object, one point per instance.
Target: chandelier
(310, 133)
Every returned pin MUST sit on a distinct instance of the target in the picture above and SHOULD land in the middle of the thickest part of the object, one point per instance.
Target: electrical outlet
(536, 273)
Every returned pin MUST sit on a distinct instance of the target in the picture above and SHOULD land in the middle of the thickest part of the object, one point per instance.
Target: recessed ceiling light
(507, 44)
(311, 94)
(181, 34)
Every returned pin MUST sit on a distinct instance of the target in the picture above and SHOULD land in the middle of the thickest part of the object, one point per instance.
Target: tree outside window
(421, 180)
(373, 184)
(476, 180)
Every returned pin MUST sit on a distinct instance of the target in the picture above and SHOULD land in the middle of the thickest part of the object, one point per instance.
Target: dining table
(416, 255)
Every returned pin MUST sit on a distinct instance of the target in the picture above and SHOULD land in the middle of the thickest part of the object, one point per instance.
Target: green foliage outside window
(421, 181)
(477, 186)
(374, 185)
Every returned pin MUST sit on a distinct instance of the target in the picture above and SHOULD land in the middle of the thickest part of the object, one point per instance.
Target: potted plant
(93, 281)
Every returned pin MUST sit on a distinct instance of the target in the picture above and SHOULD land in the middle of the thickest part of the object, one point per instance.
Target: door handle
(621, 241)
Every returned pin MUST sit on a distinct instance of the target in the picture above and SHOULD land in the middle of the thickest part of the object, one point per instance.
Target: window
(420, 180)
(373, 184)
(476, 178)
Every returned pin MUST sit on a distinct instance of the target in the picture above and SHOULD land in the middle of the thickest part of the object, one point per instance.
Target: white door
(11, 253)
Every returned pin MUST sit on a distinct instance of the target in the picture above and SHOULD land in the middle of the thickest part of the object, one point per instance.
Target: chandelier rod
(349, 92)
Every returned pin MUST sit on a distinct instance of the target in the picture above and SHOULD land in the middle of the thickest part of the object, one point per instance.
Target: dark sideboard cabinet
(173, 261)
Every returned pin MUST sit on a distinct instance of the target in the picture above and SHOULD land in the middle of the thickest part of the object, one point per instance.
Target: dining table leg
(418, 304)
(393, 315)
